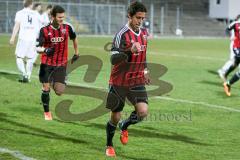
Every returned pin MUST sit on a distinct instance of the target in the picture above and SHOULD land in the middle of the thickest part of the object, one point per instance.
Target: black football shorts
(117, 95)
(49, 74)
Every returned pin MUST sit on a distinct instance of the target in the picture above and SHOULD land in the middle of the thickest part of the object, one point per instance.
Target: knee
(142, 113)
(142, 110)
(115, 117)
(59, 88)
(58, 92)
(46, 88)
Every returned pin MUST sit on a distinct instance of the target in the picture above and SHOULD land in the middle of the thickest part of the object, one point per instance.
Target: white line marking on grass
(166, 54)
(153, 53)
(7, 71)
(198, 103)
(189, 57)
(16, 154)
(156, 97)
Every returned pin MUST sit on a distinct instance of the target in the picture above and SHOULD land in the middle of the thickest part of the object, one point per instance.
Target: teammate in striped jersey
(53, 46)
(235, 58)
(232, 63)
(128, 76)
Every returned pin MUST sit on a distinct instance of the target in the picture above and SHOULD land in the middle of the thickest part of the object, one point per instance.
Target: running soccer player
(53, 46)
(232, 63)
(128, 76)
(236, 50)
(28, 22)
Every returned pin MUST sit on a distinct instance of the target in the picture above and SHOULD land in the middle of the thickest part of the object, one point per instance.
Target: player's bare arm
(14, 33)
(76, 53)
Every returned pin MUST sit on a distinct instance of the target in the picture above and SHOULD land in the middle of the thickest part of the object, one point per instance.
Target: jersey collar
(54, 27)
(137, 34)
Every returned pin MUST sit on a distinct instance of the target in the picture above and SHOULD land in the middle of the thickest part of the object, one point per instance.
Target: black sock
(45, 100)
(110, 130)
(234, 78)
(133, 119)
(231, 68)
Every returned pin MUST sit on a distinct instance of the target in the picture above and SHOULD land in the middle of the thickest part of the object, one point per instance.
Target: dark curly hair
(136, 7)
(57, 9)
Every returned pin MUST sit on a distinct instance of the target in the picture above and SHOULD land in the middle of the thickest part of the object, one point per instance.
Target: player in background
(27, 22)
(232, 63)
(128, 76)
(236, 57)
(44, 19)
(46, 16)
(38, 7)
(53, 47)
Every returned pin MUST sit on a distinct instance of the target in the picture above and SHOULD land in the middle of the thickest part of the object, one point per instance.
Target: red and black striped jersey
(235, 26)
(131, 72)
(57, 38)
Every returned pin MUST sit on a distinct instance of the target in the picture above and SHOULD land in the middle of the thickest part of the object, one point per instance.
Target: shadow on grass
(134, 158)
(150, 128)
(223, 95)
(7, 156)
(36, 131)
(213, 83)
(154, 134)
(33, 111)
(10, 76)
(212, 72)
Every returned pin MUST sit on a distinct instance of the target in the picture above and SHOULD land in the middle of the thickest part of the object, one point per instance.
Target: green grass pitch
(194, 121)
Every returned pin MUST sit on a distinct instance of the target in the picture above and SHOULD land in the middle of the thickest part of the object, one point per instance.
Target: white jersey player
(46, 15)
(28, 23)
(45, 18)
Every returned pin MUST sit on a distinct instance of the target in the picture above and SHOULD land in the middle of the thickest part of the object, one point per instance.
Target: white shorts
(26, 49)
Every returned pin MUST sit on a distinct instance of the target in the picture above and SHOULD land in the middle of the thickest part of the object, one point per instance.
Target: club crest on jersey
(145, 37)
(63, 31)
(57, 39)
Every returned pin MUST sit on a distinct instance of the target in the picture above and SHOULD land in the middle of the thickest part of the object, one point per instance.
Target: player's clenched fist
(49, 51)
(11, 42)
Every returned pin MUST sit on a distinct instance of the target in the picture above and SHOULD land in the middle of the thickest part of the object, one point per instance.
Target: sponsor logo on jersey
(57, 39)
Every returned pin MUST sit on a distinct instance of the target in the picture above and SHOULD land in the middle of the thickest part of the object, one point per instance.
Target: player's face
(39, 8)
(59, 18)
(48, 11)
(137, 20)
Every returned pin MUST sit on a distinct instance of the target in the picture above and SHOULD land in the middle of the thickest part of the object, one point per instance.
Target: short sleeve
(120, 44)
(41, 38)
(72, 33)
(231, 26)
(18, 17)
